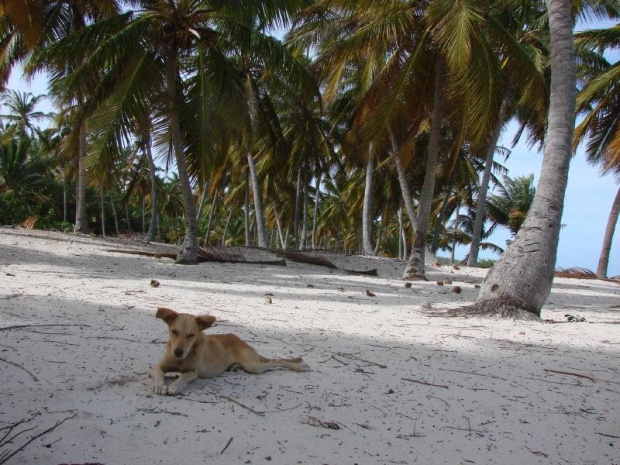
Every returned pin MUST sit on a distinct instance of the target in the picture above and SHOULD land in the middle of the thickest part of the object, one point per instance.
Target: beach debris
(268, 300)
(477, 286)
(370, 294)
(408, 285)
(314, 421)
(456, 289)
(447, 281)
(310, 286)
(226, 447)
(575, 319)
(568, 373)
(456, 267)
(426, 306)
(154, 283)
(440, 283)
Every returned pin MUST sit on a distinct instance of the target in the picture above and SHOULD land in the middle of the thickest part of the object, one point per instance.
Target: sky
(588, 200)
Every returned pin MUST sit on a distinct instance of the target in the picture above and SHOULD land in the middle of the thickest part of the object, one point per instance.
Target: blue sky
(587, 204)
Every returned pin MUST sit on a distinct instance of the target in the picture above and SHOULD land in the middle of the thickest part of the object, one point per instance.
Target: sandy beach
(391, 382)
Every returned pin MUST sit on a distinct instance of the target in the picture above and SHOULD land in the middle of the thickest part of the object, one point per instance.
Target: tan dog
(195, 355)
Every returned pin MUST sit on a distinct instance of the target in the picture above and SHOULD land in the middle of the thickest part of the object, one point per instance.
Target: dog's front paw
(175, 388)
(304, 367)
(158, 388)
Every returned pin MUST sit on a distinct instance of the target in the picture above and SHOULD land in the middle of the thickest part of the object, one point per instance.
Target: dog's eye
(189, 336)
(175, 332)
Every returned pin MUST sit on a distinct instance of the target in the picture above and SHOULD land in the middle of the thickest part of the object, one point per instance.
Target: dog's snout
(178, 353)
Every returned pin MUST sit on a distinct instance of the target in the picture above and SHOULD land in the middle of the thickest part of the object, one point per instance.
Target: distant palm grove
(357, 126)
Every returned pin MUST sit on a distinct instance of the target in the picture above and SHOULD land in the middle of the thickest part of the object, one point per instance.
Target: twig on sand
(6, 456)
(473, 373)
(608, 435)
(226, 446)
(6, 328)
(19, 366)
(425, 383)
(571, 374)
(355, 357)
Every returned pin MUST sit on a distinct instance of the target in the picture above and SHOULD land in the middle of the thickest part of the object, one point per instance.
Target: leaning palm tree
(599, 100)
(520, 282)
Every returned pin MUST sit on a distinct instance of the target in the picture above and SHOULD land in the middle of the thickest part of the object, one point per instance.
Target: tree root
(505, 307)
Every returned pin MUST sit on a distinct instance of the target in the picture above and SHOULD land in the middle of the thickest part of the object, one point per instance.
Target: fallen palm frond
(29, 222)
(301, 257)
(210, 254)
(576, 273)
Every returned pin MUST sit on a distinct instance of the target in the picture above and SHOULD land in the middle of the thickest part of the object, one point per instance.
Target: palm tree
(22, 112)
(509, 208)
(520, 281)
(599, 100)
(168, 50)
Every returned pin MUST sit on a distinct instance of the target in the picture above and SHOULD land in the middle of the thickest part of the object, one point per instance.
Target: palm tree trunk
(379, 235)
(64, 196)
(226, 228)
(297, 202)
(188, 251)
(150, 235)
(520, 281)
(455, 231)
(603, 261)
(114, 214)
(81, 214)
(367, 215)
(279, 227)
(258, 203)
(399, 215)
(102, 197)
(304, 222)
(476, 237)
(213, 205)
(415, 267)
(246, 214)
(316, 205)
(442, 214)
(203, 198)
(143, 215)
(404, 184)
(127, 216)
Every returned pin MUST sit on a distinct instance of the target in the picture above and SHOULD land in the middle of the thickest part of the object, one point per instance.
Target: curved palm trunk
(520, 282)
(152, 232)
(404, 184)
(258, 204)
(367, 247)
(472, 259)
(81, 214)
(603, 261)
(415, 267)
(188, 251)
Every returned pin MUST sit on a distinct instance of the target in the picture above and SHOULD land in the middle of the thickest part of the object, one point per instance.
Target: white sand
(403, 387)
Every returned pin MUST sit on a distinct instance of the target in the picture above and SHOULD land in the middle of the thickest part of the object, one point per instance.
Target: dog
(196, 355)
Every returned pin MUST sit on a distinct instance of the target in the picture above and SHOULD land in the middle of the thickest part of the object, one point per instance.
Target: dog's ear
(166, 314)
(205, 321)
